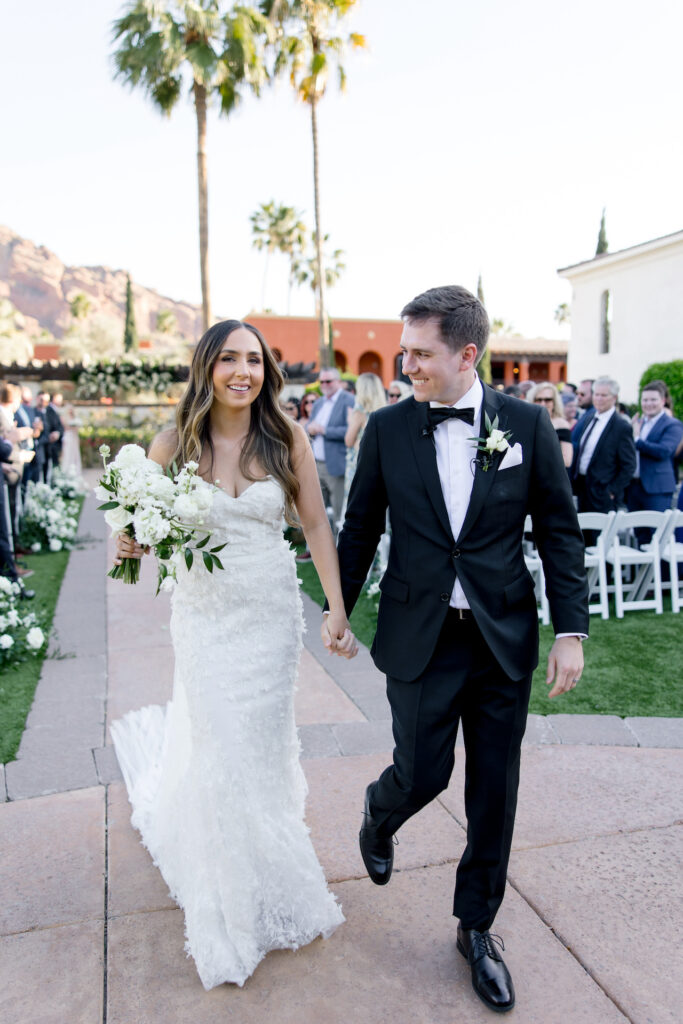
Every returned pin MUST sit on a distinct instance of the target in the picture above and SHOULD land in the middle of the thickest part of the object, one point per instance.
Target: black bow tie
(436, 416)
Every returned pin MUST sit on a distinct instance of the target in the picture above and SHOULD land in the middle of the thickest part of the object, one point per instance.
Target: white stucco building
(626, 312)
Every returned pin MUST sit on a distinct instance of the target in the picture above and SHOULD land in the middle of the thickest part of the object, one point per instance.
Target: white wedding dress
(214, 777)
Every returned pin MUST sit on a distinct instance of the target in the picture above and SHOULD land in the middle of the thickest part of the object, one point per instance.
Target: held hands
(337, 635)
(565, 665)
(128, 547)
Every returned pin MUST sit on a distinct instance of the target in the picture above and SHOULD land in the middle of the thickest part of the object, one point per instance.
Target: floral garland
(68, 482)
(107, 378)
(19, 633)
(49, 520)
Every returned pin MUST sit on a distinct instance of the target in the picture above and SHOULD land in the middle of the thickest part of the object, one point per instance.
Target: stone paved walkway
(88, 933)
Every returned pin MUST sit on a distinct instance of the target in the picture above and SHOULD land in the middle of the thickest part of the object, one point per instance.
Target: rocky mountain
(41, 287)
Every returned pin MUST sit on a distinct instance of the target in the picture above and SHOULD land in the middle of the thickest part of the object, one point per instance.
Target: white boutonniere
(495, 440)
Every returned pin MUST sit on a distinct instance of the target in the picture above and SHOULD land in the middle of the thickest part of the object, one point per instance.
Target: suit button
(445, 597)
(455, 552)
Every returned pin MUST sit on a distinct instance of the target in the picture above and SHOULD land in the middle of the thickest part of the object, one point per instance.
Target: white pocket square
(512, 457)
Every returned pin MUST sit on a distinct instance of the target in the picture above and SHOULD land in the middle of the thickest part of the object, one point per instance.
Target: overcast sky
(473, 138)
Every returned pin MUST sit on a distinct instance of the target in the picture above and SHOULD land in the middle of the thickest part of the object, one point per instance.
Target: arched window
(605, 321)
(340, 360)
(370, 362)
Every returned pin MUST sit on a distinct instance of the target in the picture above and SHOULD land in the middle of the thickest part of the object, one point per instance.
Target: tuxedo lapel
(483, 479)
(424, 449)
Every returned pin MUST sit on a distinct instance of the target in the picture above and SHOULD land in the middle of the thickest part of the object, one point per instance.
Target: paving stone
(72, 678)
(318, 699)
(569, 793)
(364, 737)
(375, 707)
(107, 765)
(137, 677)
(54, 771)
(604, 730)
(318, 741)
(52, 856)
(334, 811)
(53, 976)
(55, 725)
(394, 961)
(539, 730)
(135, 884)
(657, 732)
(612, 900)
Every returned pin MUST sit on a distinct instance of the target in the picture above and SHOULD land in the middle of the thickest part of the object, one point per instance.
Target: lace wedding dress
(214, 777)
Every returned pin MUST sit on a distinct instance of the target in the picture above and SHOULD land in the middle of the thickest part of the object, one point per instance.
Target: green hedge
(672, 375)
(92, 437)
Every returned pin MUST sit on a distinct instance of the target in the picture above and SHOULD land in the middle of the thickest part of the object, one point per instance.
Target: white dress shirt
(455, 453)
(323, 418)
(596, 429)
(647, 426)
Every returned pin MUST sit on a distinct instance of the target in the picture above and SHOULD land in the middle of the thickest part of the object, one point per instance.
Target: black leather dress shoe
(490, 977)
(376, 850)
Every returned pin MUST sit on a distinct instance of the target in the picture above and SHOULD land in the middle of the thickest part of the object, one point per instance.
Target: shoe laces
(484, 944)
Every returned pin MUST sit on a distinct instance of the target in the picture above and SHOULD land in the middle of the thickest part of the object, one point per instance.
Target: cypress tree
(130, 334)
(602, 237)
(484, 367)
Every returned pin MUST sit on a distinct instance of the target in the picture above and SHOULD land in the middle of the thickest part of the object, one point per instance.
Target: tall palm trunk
(323, 323)
(202, 184)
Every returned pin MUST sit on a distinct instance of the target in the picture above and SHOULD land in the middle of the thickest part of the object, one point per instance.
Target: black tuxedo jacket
(612, 464)
(397, 469)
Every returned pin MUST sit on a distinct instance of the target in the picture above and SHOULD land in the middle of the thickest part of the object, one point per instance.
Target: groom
(457, 627)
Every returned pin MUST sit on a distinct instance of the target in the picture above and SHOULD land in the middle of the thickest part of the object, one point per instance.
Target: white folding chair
(645, 562)
(535, 567)
(602, 523)
(672, 552)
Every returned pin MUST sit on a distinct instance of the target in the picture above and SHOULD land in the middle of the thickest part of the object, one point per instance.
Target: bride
(214, 777)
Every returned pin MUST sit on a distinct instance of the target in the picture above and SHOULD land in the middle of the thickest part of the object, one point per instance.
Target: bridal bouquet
(163, 510)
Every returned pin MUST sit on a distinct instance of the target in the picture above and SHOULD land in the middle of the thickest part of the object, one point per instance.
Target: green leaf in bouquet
(219, 548)
(107, 505)
(217, 561)
(189, 558)
(204, 542)
(208, 561)
(163, 551)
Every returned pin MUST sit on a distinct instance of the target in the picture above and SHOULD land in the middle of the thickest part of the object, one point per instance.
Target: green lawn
(634, 665)
(18, 683)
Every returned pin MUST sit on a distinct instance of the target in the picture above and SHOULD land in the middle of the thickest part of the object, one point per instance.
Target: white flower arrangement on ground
(49, 521)
(164, 511)
(106, 378)
(68, 482)
(20, 633)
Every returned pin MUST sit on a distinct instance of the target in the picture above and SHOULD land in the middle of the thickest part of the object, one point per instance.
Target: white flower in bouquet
(161, 489)
(6, 641)
(117, 519)
(35, 638)
(150, 526)
(130, 456)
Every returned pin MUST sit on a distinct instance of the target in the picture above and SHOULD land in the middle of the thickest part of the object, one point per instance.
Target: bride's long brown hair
(270, 439)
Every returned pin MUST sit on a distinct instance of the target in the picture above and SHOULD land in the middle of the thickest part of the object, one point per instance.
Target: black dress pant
(462, 683)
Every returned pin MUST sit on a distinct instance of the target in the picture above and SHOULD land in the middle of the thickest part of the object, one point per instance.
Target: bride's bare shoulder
(163, 447)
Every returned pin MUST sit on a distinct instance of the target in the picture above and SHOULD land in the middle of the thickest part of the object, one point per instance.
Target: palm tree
(484, 366)
(277, 228)
(305, 265)
(307, 46)
(165, 42)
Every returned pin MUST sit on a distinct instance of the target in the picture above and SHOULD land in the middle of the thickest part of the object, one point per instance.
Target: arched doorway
(370, 362)
(340, 360)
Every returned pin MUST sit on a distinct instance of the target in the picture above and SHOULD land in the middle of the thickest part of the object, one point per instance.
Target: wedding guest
(326, 428)
(55, 429)
(305, 406)
(547, 395)
(25, 417)
(514, 391)
(526, 386)
(71, 445)
(656, 436)
(604, 452)
(397, 391)
(584, 396)
(290, 408)
(570, 407)
(8, 565)
(370, 396)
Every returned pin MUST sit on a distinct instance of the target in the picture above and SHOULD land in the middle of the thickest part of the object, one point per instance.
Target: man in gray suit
(326, 429)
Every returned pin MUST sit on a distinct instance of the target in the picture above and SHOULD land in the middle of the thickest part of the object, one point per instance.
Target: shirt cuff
(579, 636)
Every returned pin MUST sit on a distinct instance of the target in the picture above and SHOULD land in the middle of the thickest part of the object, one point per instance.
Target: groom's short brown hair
(460, 315)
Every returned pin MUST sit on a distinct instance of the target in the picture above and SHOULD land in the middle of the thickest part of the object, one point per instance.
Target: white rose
(35, 638)
(162, 489)
(6, 642)
(187, 508)
(496, 442)
(130, 455)
(117, 519)
(13, 617)
(5, 585)
(56, 544)
(150, 526)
